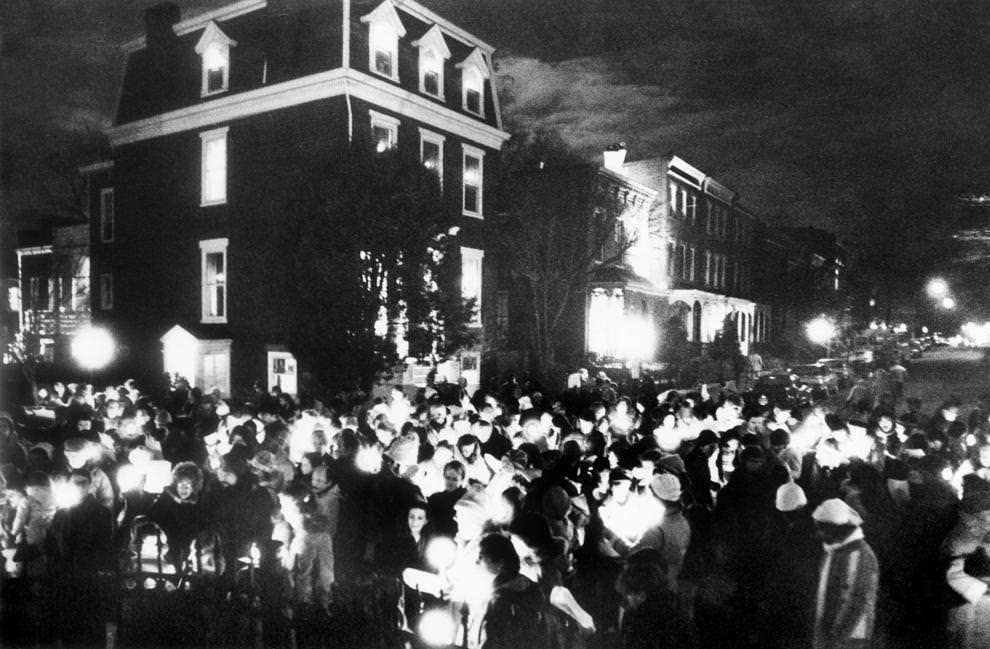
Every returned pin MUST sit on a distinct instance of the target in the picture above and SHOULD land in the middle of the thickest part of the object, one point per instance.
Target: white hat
(836, 512)
(790, 497)
(666, 487)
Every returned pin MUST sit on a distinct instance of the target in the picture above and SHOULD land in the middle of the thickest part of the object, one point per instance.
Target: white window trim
(477, 64)
(432, 42)
(106, 291)
(433, 138)
(387, 122)
(384, 16)
(108, 191)
(205, 138)
(473, 152)
(213, 36)
(209, 246)
(474, 255)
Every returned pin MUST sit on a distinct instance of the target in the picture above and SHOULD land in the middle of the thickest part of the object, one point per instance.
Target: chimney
(159, 20)
(615, 157)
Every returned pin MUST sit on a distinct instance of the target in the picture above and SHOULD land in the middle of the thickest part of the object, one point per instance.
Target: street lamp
(93, 348)
(948, 303)
(937, 288)
(820, 331)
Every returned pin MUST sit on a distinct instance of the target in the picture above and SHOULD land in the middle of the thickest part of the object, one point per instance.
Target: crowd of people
(602, 516)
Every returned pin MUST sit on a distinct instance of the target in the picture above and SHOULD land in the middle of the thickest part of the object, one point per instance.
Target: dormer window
(433, 53)
(384, 30)
(474, 71)
(214, 48)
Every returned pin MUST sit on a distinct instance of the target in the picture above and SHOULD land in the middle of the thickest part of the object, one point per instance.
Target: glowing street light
(937, 288)
(820, 331)
(948, 303)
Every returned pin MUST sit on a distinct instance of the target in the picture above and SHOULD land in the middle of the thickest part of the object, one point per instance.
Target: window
(106, 291)
(471, 280)
(106, 215)
(431, 152)
(474, 71)
(672, 195)
(214, 166)
(213, 261)
(691, 208)
(685, 272)
(384, 30)
(214, 48)
(433, 52)
(384, 131)
(473, 180)
(502, 313)
(710, 222)
(708, 268)
(80, 286)
(692, 261)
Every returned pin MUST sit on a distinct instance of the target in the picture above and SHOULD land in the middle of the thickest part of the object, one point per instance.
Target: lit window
(214, 48)
(431, 153)
(106, 215)
(471, 280)
(473, 169)
(384, 30)
(433, 52)
(214, 166)
(384, 131)
(474, 71)
(106, 291)
(213, 261)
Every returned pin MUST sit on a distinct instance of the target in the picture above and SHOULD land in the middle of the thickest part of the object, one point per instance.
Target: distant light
(924, 330)
(948, 303)
(937, 288)
(820, 331)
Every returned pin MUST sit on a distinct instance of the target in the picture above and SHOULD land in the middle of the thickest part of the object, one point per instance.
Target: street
(946, 371)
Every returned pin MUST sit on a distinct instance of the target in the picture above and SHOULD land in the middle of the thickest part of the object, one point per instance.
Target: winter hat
(188, 471)
(790, 497)
(404, 450)
(836, 512)
(779, 437)
(706, 437)
(666, 487)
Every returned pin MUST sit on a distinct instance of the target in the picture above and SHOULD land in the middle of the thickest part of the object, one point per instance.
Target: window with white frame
(691, 208)
(685, 271)
(433, 52)
(431, 153)
(708, 268)
(214, 48)
(107, 215)
(474, 71)
(214, 166)
(471, 279)
(693, 262)
(473, 168)
(213, 263)
(384, 131)
(384, 30)
(106, 291)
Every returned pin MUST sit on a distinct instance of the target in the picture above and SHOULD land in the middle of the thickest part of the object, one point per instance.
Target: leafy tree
(371, 245)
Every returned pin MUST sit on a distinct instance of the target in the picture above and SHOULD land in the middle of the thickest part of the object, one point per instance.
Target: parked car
(820, 378)
(781, 388)
(840, 368)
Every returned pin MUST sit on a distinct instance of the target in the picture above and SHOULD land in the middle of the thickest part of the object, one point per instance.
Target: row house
(219, 114)
(708, 237)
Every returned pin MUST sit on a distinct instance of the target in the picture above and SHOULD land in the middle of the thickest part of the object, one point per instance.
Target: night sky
(838, 113)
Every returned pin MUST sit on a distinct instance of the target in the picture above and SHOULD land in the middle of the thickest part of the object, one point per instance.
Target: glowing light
(66, 494)
(821, 330)
(970, 439)
(159, 476)
(437, 628)
(214, 58)
(924, 330)
(424, 582)
(937, 288)
(255, 555)
(129, 478)
(946, 474)
(948, 303)
(369, 459)
(441, 552)
(93, 348)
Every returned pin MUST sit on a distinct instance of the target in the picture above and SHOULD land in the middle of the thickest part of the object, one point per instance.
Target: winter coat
(180, 520)
(309, 562)
(845, 603)
(79, 540)
(968, 626)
